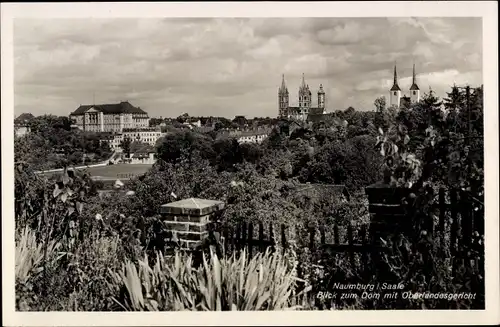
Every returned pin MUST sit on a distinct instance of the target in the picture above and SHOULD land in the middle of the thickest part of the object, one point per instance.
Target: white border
(487, 10)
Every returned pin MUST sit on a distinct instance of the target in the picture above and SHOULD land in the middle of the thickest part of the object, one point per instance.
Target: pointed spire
(414, 75)
(414, 85)
(303, 81)
(283, 88)
(395, 86)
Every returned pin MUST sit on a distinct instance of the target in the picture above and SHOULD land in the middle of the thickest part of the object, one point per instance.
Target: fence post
(312, 234)
(261, 237)
(351, 243)
(322, 233)
(237, 241)
(442, 210)
(225, 234)
(364, 253)
(467, 223)
(442, 215)
(250, 240)
(454, 228)
(271, 237)
(283, 237)
(231, 239)
(336, 237)
(244, 236)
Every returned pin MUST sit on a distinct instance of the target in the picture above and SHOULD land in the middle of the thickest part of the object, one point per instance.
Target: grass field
(120, 171)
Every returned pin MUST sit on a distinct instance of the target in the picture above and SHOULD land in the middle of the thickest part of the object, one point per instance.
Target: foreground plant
(29, 255)
(236, 283)
(29, 258)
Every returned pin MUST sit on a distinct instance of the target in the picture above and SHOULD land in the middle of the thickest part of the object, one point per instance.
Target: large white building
(109, 117)
(147, 135)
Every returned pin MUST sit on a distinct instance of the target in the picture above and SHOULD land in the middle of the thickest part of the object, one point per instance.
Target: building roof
(117, 108)
(395, 87)
(254, 133)
(316, 111)
(414, 86)
(315, 118)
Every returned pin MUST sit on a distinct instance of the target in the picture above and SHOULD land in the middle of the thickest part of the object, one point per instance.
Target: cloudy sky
(228, 67)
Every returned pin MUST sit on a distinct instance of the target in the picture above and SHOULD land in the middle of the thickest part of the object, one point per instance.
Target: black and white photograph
(304, 163)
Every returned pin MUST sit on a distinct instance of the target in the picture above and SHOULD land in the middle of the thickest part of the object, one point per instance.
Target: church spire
(283, 88)
(395, 86)
(414, 85)
(303, 81)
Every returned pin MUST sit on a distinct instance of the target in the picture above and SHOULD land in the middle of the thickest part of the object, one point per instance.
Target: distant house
(192, 123)
(22, 124)
(246, 135)
(144, 158)
(147, 135)
(253, 136)
(287, 127)
(20, 130)
(144, 155)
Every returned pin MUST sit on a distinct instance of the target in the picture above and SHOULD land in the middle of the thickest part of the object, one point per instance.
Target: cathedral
(395, 97)
(304, 110)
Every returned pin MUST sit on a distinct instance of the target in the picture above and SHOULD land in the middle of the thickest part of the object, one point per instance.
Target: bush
(263, 283)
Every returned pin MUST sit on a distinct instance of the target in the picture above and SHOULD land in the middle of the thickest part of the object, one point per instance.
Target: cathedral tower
(414, 89)
(304, 97)
(321, 98)
(283, 99)
(395, 93)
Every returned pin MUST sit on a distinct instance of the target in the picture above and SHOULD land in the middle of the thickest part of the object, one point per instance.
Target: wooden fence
(459, 225)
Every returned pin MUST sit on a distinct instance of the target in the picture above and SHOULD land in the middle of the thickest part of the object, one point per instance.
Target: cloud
(233, 66)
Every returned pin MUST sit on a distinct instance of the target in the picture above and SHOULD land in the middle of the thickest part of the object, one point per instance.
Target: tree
(251, 152)
(174, 145)
(240, 121)
(228, 154)
(155, 122)
(455, 99)
(382, 118)
(380, 104)
(183, 118)
(125, 145)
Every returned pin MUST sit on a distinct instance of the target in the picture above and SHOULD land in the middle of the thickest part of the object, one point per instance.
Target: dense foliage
(52, 143)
